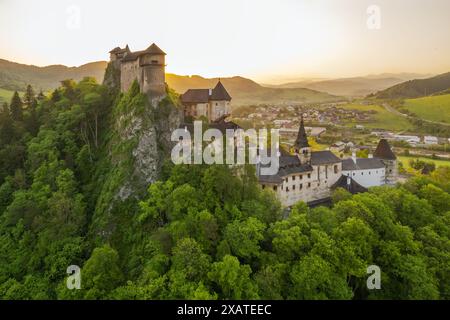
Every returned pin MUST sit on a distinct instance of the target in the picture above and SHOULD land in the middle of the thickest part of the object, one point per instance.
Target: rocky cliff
(139, 143)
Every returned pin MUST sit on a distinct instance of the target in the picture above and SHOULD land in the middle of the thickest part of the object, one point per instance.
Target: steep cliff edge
(138, 144)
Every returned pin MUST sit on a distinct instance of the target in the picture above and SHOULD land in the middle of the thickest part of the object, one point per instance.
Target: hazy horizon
(266, 41)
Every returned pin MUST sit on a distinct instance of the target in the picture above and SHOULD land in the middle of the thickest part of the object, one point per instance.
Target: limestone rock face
(149, 133)
(139, 144)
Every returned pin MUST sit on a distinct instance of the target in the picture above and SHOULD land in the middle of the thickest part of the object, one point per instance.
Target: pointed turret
(219, 93)
(384, 151)
(302, 139)
(301, 146)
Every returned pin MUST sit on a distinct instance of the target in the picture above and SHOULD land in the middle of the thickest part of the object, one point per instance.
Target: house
(338, 147)
(304, 176)
(367, 172)
(209, 103)
(311, 176)
(430, 140)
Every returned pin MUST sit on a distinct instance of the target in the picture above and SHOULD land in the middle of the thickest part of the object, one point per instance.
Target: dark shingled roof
(152, 49)
(353, 187)
(219, 93)
(362, 164)
(195, 96)
(302, 139)
(323, 157)
(288, 165)
(120, 50)
(383, 151)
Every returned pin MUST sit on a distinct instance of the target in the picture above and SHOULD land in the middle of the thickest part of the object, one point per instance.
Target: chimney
(354, 156)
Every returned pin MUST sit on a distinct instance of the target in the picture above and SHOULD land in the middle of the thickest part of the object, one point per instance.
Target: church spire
(302, 139)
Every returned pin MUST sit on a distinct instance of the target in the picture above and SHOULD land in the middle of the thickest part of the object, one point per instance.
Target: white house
(407, 138)
(430, 140)
(368, 172)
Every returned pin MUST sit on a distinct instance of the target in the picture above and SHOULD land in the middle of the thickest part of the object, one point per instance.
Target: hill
(433, 108)
(16, 76)
(354, 86)
(245, 91)
(416, 88)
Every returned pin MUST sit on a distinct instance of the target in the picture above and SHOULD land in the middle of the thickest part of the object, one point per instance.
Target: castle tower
(301, 146)
(152, 63)
(384, 152)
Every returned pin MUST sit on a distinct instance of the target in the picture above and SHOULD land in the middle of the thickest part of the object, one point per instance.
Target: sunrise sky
(269, 41)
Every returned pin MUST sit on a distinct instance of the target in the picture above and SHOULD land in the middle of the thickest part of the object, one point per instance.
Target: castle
(212, 104)
(311, 176)
(147, 67)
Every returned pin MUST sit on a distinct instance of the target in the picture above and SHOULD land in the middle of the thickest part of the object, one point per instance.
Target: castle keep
(147, 67)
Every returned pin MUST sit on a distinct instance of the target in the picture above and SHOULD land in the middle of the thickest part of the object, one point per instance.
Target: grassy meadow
(382, 119)
(439, 163)
(434, 108)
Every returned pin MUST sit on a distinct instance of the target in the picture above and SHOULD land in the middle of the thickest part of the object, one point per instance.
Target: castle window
(362, 173)
(353, 174)
(301, 177)
(335, 168)
(263, 186)
(274, 188)
(309, 184)
(301, 186)
(390, 170)
(287, 189)
(293, 187)
(293, 178)
(309, 175)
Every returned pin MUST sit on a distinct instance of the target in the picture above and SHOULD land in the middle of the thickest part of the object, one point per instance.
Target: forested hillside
(416, 88)
(70, 194)
(16, 76)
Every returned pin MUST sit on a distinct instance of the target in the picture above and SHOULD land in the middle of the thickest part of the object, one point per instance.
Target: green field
(439, 163)
(382, 119)
(5, 95)
(434, 108)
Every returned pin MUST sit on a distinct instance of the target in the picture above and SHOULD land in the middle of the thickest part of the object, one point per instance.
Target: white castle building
(311, 177)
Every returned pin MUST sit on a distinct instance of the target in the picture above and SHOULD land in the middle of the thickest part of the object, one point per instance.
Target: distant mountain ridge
(417, 88)
(245, 91)
(354, 86)
(16, 76)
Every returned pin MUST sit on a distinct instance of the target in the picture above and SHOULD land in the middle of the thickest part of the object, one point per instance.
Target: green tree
(233, 279)
(15, 107)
